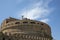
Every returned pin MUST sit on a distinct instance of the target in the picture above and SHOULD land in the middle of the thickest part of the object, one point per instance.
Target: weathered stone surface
(25, 29)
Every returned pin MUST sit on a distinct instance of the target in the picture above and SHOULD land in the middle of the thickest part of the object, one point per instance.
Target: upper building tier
(26, 25)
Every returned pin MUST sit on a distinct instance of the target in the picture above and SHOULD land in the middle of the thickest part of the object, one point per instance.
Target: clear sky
(47, 11)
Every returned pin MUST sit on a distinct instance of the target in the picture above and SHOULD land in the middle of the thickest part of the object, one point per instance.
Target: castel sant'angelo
(24, 29)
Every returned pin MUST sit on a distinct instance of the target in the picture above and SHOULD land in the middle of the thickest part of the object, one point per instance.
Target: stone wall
(23, 37)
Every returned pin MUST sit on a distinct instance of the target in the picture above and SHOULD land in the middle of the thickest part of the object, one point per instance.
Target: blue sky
(47, 11)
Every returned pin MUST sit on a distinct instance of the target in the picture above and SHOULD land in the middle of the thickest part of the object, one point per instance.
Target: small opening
(42, 24)
(3, 38)
(25, 22)
(17, 23)
(32, 22)
(9, 39)
(37, 23)
(7, 21)
(5, 33)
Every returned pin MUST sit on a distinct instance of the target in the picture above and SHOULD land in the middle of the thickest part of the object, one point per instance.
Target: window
(42, 24)
(17, 23)
(37, 23)
(7, 21)
(25, 22)
(32, 22)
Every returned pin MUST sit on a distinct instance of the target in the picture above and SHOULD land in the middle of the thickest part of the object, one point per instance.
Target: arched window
(7, 21)
(17, 23)
(25, 22)
(42, 24)
(37, 23)
(32, 22)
